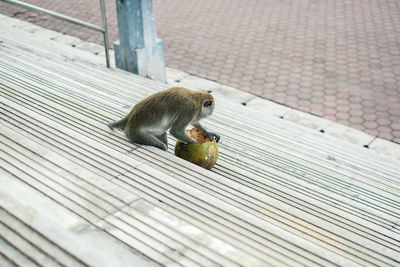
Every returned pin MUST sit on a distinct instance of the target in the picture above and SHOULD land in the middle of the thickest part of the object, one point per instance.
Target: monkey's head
(207, 105)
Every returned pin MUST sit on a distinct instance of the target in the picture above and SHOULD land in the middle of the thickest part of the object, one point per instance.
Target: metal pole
(105, 33)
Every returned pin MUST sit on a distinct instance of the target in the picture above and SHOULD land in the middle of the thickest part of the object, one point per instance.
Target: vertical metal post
(138, 49)
(105, 32)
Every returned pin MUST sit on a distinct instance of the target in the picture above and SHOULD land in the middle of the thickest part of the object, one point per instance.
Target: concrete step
(280, 193)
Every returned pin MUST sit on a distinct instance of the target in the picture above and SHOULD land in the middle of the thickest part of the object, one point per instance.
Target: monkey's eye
(207, 103)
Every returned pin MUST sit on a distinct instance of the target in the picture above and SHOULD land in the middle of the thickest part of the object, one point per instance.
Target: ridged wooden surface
(74, 192)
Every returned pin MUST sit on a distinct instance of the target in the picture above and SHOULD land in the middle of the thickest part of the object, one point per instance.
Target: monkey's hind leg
(120, 124)
(149, 139)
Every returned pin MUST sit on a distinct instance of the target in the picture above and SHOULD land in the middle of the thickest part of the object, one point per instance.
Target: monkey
(173, 109)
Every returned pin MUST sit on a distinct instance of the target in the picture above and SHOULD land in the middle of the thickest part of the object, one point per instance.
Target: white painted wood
(32, 252)
(268, 107)
(18, 258)
(155, 239)
(259, 205)
(223, 93)
(349, 134)
(174, 75)
(49, 47)
(116, 229)
(386, 147)
(186, 234)
(307, 119)
(210, 222)
(56, 253)
(232, 213)
(62, 227)
(5, 261)
(196, 83)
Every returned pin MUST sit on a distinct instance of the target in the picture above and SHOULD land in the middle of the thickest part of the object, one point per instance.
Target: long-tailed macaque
(172, 109)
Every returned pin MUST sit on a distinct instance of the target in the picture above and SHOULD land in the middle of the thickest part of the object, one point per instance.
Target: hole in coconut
(198, 135)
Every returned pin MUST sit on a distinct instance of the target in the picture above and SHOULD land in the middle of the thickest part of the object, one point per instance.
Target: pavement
(337, 60)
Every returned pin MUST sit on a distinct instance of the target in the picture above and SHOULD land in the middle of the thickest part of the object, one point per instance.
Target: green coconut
(203, 153)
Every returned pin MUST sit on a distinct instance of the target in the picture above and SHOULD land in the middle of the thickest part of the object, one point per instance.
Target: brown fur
(181, 105)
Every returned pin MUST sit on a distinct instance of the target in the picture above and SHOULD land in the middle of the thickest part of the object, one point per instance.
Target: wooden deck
(75, 193)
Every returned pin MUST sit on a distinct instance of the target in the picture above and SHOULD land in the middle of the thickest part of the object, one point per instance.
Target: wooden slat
(53, 157)
(264, 207)
(62, 227)
(44, 248)
(5, 261)
(34, 254)
(17, 257)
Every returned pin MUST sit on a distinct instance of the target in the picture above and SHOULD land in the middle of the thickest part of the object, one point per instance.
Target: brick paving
(336, 59)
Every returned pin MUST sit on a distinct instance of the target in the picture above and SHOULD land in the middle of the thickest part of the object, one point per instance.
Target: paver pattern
(336, 59)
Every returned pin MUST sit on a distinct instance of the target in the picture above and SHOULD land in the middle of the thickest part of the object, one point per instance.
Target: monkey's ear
(207, 103)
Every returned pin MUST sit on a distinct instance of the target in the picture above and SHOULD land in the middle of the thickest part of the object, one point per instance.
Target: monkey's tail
(120, 124)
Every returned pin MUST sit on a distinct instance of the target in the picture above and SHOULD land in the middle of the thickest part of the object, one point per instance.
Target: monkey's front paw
(214, 136)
